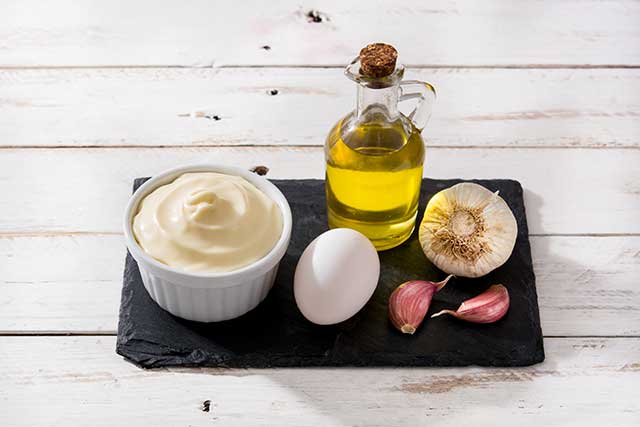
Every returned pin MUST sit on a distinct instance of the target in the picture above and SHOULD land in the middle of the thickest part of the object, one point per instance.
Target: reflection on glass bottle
(374, 155)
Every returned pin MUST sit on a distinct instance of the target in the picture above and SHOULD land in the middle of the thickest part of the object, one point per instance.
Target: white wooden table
(95, 93)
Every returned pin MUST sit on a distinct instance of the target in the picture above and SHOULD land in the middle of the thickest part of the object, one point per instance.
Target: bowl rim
(250, 271)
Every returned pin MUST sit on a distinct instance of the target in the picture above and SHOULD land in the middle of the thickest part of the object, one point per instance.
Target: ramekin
(208, 297)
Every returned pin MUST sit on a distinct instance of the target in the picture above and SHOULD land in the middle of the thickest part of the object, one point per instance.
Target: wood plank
(79, 380)
(204, 33)
(568, 191)
(587, 286)
(476, 107)
(75, 287)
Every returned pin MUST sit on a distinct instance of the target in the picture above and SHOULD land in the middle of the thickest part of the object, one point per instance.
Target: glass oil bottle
(374, 155)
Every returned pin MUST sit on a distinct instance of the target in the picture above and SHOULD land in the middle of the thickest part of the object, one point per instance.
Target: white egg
(335, 276)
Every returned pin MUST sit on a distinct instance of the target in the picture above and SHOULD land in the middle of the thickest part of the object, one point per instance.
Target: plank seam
(310, 146)
(326, 66)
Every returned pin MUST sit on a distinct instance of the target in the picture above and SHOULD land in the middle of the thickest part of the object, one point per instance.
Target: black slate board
(276, 334)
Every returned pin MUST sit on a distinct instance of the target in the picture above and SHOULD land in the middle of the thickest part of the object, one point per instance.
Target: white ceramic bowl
(208, 297)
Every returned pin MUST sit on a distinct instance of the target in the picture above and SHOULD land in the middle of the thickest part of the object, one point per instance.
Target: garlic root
(467, 230)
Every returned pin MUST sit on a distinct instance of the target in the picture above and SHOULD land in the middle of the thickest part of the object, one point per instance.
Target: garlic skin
(409, 303)
(488, 307)
(467, 230)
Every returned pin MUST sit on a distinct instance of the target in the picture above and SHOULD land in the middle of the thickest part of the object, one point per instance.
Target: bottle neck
(379, 100)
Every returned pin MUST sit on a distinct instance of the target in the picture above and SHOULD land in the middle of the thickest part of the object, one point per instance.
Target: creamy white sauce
(207, 222)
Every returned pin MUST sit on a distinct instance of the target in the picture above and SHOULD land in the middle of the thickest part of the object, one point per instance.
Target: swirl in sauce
(207, 222)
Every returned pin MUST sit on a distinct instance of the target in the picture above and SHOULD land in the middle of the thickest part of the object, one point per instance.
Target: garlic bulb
(467, 230)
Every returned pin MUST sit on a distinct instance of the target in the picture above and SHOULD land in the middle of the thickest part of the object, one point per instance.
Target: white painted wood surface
(205, 33)
(584, 381)
(543, 91)
(475, 107)
(587, 286)
(566, 190)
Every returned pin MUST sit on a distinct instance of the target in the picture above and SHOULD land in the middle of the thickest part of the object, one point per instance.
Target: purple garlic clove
(488, 307)
(409, 303)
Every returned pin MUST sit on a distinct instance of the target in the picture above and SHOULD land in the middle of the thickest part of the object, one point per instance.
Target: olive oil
(374, 155)
(374, 171)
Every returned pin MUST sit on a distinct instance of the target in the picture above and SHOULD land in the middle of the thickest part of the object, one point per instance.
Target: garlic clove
(467, 230)
(409, 303)
(488, 307)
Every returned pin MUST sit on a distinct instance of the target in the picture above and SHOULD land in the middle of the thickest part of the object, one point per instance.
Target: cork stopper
(378, 60)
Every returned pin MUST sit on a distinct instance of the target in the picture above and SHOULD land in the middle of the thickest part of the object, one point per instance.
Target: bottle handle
(426, 93)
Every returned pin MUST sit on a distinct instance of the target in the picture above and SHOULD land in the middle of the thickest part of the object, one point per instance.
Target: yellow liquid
(374, 172)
